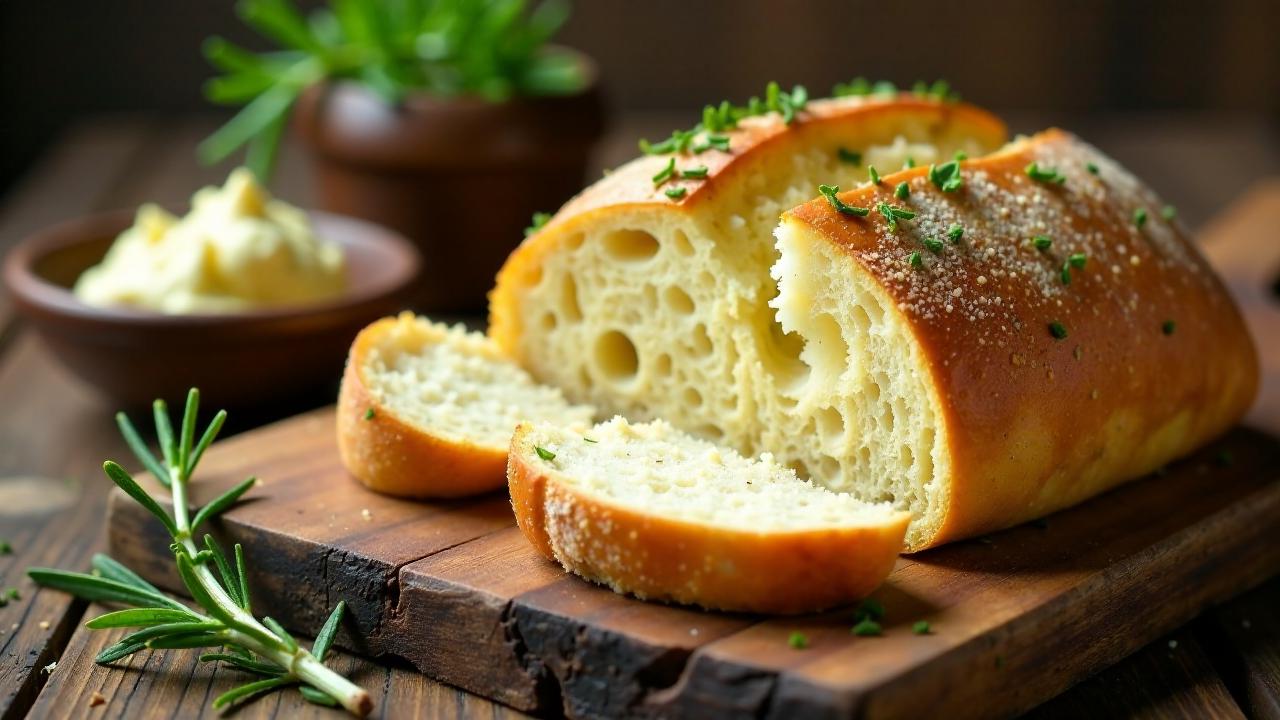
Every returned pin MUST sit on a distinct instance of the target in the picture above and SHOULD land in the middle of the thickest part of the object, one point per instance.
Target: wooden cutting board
(1017, 616)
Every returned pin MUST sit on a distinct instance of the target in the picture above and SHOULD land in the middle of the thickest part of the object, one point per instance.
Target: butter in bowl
(244, 296)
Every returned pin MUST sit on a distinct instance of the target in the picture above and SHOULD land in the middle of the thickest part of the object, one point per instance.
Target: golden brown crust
(859, 119)
(659, 558)
(393, 456)
(1033, 423)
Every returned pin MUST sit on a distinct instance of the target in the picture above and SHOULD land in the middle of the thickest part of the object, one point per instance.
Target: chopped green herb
(369, 414)
(667, 172)
(915, 260)
(920, 87)
(1058, 330)
(1078, 260)
(960, 156)
(587, 439)
(869, 608)
(1049, 175)
(716, 119)
(4, 601)
(893, 214)
(829, 192)
(857, 87)
(946, 176)
(902, 192)
(544, 453)
(1066, 273)
(955, 233)
(5, 548)
(1168, 212)
(1042, 242)
(1140, 217)
(1168, 326)
(13, 594)
(718, 142)
(921, 627)
(677, 143)
(675, 193)
(873, 175)
(798, 641)
(852, 157)
(695, 173)
(910, 163)
(1091, 167)
(933, 245)
(539, 219)
(867, 628)
(786, 104)
(884, 87)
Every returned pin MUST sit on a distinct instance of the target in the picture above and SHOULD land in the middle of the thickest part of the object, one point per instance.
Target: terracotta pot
(460, 177)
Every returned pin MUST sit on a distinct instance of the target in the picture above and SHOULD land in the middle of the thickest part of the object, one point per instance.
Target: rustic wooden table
(54, 433)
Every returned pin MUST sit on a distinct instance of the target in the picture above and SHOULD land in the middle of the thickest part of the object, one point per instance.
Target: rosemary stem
(247, 631)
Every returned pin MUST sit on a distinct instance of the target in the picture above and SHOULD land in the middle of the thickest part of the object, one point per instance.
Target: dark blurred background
(1066, 63)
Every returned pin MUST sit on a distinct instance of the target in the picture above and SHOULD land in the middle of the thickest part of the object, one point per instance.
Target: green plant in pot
(452, 121)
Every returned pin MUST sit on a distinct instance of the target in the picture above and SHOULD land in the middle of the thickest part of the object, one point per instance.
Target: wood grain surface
(454, 589)
(54, 434)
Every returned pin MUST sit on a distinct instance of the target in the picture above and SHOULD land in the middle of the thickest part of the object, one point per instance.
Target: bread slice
(651, 511)
(977, 380)
(426, 410)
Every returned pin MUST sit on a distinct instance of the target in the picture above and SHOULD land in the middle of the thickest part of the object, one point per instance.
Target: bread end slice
(649, 511)
(426, 411)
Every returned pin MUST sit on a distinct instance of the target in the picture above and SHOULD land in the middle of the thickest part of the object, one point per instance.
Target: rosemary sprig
(261, 647)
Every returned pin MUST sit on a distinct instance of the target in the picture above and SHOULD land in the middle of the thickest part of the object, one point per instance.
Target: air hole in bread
(616, 357)
(906, 457)
(631, 245)
(709, 431)
(662, 364)
(701, 341)
(650, 298)
(692, 397)
(830, 424)
(569, 306)
(680, 241)
(829, 468)
(827, 352)
(678, 300)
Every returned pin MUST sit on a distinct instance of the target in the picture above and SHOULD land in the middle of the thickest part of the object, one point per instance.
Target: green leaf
(117, 651)
(139, 617)
(206, 439)
(135, 491)
(245, 692)
(243, 575)
(236, 89)
(243, 663)
(164, 434)
(188, 432)
(261, 154)
(199, 593)
(187, 641)
(222, 502)
(316, 697)
(325, 637)
(108, 568)
(280, 21)
(98, 589)
(231, 58)
(281, 633)
(133, 642)
(251, 120)
(140, 449)
(230, 582)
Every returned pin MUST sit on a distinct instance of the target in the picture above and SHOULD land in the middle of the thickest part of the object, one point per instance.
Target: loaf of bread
(651, 511)
(426, 410)
(991, 341)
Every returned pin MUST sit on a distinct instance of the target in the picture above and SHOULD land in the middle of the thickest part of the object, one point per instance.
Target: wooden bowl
(244, 359)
